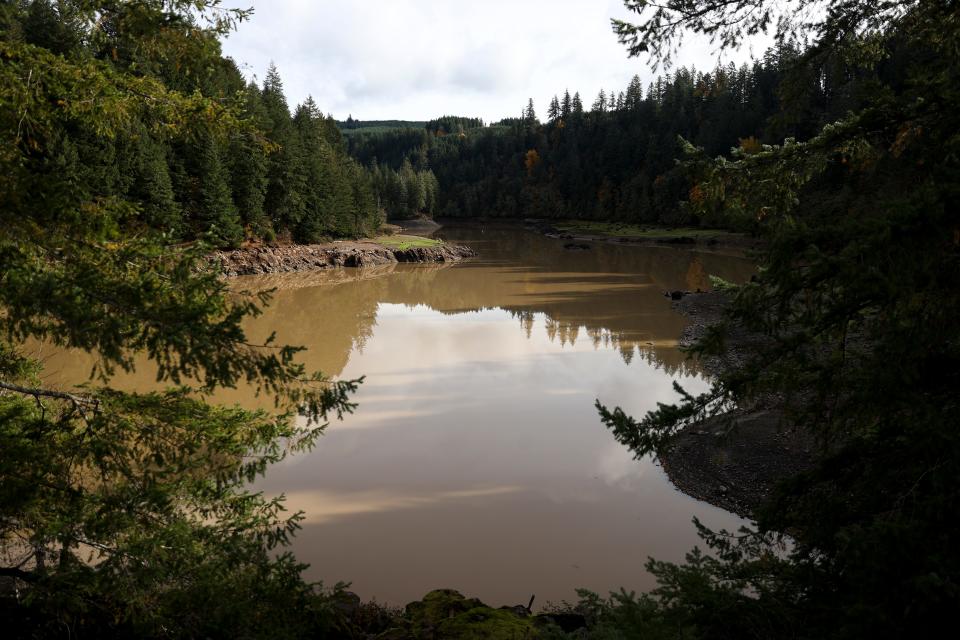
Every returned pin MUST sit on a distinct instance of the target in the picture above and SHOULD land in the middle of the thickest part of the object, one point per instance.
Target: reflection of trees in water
(620, 312)
(611, 295)
(697, 277)
(667, 358)
(329, 318)
(329, 312)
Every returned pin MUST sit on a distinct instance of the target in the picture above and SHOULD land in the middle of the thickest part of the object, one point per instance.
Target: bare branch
(78, 401)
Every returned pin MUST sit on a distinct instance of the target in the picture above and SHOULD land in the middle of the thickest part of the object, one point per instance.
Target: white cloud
(418, 59)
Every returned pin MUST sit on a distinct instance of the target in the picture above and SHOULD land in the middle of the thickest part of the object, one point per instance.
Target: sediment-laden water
(476, 459)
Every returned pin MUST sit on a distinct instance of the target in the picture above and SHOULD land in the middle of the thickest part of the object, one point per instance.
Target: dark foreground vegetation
(129, 138)
(856, 300)
(130, 514)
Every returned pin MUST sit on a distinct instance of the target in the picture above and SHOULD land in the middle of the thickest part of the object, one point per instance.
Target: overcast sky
(419, 59)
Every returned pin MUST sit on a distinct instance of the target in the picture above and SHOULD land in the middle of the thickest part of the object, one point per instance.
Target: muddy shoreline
(720, 240)
(313, 257)
(735, 460)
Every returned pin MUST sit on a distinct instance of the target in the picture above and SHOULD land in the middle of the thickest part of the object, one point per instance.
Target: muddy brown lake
(475, 459)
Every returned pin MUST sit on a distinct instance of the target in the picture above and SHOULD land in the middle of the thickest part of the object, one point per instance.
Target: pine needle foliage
(857, 297)
(129, 514)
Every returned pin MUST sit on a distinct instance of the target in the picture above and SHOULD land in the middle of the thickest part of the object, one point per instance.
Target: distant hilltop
(350, 124)
(444, 124)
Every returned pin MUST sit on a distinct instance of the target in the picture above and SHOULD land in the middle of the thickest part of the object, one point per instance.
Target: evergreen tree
(212, 207)
(634, 94)
(396, 196)
(553, 113)
(367, 219)
(274, 103)
(248, 171)
(412, 188)
(54, 29)
(858, 271)
(576, 109)
(248, 164)
(600, 104)
(152, 187)
(127, 514)
(529, 115)
(284, 197)
(315, 175)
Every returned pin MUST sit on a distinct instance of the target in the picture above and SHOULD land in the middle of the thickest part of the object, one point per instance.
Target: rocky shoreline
(312, 257)
(733, 461)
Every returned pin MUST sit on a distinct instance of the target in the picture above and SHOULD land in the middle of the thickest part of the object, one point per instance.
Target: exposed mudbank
(312, 257)
(733, 461)
(651, 237)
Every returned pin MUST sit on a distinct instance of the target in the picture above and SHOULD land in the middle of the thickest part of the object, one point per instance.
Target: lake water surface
(476, 459)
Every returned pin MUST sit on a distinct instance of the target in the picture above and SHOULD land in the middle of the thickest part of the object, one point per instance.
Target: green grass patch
(617, 229)
(403, 242)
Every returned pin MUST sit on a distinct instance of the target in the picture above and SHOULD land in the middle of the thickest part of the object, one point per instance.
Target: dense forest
(128, 136)
(617, 159)
(275, 174)
(350, 124)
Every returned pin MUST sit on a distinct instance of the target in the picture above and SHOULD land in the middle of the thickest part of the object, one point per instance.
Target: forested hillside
(616, 158)
(128, 137)
(275, 174)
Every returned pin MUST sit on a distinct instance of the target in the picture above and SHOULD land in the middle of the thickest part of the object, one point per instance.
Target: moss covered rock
(446, 613)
